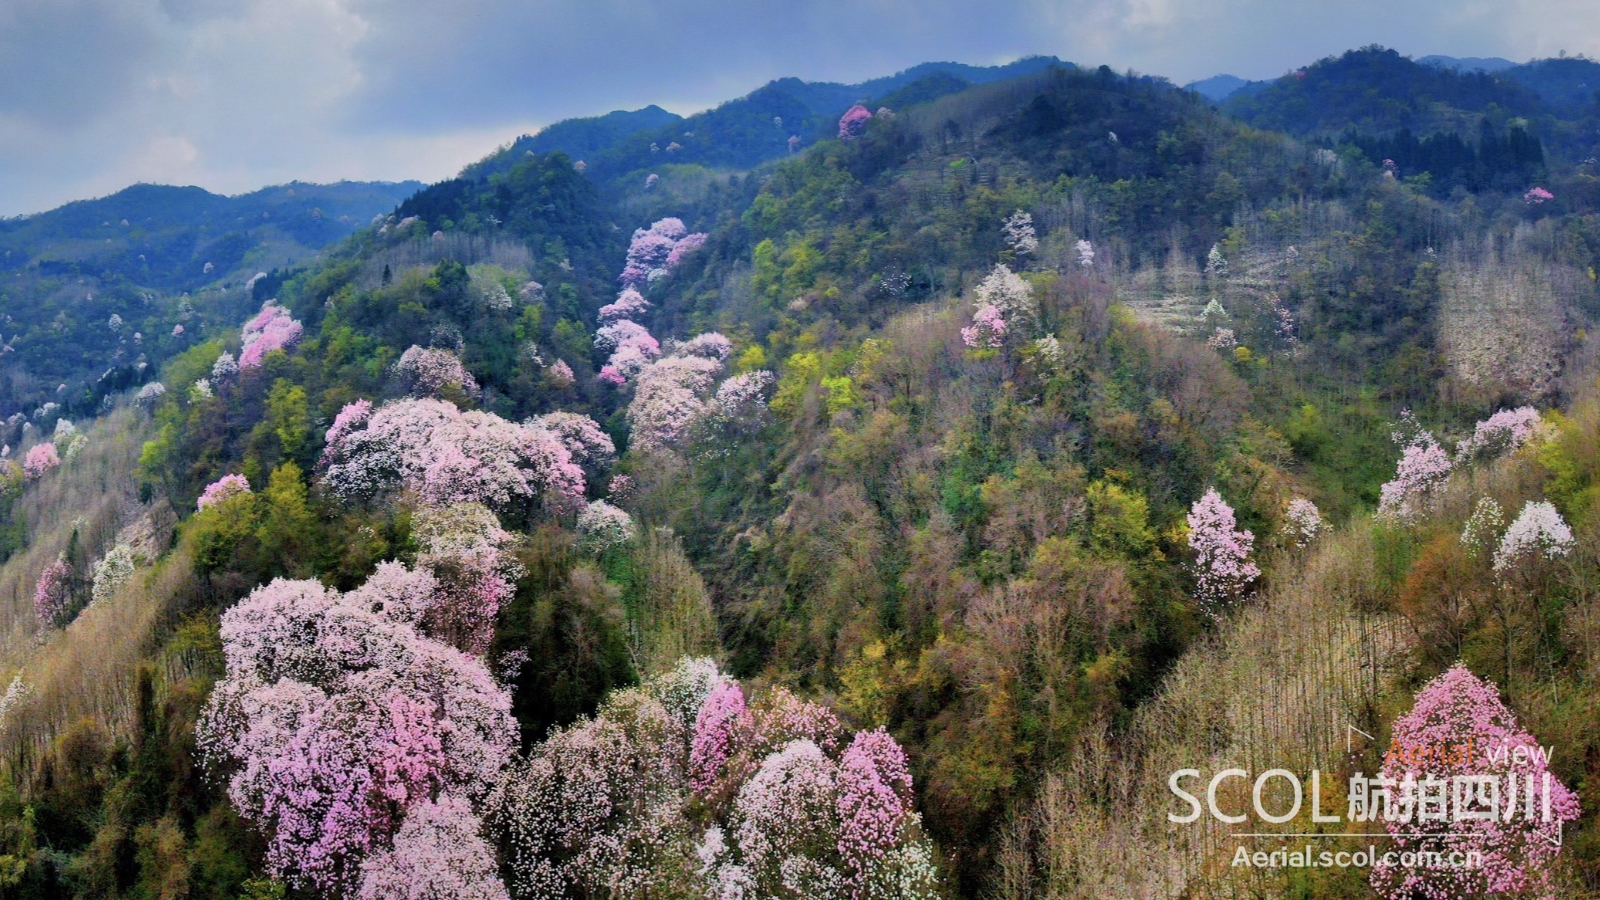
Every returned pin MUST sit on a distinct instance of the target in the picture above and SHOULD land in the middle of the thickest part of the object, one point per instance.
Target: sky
(233, 95)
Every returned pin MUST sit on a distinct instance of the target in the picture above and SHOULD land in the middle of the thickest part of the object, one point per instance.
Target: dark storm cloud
(233, 94)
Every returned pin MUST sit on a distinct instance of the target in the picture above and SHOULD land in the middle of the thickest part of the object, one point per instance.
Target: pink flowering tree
(469, 557)
(428, 372)
(271, 329)
(1302, 522)
(650, 253)
(604, 526)
(447, 456)
(630, 304)
(1517, 843)
(987, 331)
(715, 730)
(438, 854)
(221, 489)
(41, 459)
(669, 398)
(1222, 567)
(1537, 195)
(1424, 467)
(854, 122)
(1539, 532)
(334, 719)
(52, 595)
(561, 374)
(1504, 432)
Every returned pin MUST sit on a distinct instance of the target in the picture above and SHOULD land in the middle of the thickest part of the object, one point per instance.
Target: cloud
(234, 94)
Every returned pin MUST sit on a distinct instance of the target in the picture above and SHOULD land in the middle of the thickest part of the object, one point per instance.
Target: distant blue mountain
(1217, 88)
(1489, 64)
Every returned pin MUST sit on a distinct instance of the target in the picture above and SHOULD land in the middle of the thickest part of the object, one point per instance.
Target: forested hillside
(884, 514)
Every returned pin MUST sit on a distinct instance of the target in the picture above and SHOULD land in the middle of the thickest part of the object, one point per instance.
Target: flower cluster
(669, 398)
(854, 122)
(789, 809)
(335, 719)
(1538, 530)
(428, 372)
(1007, 292)
(1222, 340)
(650, 253)
(1483, 526)
(987, 331)
(629, 304)
(1457, 709)
(604, 526)
(589, 445)
(52, 594)
(447, 456)
(271, 329)
(41, 458)
(1504, 432)
(1537, 195)
(1302, 521)
(111, 573)
(438, 854)
(150, 393)
(221, 489)
(1423, 467)
(1222, 566)
(1019, 234)
(1085, 253)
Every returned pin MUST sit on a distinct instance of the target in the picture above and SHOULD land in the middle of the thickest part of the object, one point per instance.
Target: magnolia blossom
(1457, 710)
(41, 458)
(584, 438)
(1007, 292)
(52, 593)
(710, 345)
(271, 329)
(177, 331)
(561, 374)
(743, 396)
(1538, 531)
(1483, 526)
(854, 122)
(1222, 566)
(685, 246)
(334, 720)
(1222, 340)
(1085, 253)
(447, 456)
(1504, 432)
(111, 573)
(438, 854)
(224, 368)
(630, 304)
(669, 398)
(150, 393)
(1019, 233)
(1301, 522)
(650, 253)
(1537, 195)
(620, 332)
(604, 526)
(1423, 467)
(988, 329)
(221, 489)
(427, 372)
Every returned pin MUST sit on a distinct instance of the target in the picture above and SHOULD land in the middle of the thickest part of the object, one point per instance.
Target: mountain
(927, 496)
(1568, 85)
(1489, 64)
(744, 132)
(1217, 88)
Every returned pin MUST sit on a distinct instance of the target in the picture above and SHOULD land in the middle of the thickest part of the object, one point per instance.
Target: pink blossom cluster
(271, 329)
(469, 558)
(634, 348)
(52, 594)
(583, 437)
(1019, 234)
(221, 489)
(561, 374)
(1504, 432)
(41, 458)
(335, 719)
(669, 399)
(1537, 195)
(744, 396)
(854, 122)
(447, 456)
(604, 526)
(788, 809)
(1539, 530)
(1302, 522)
(987, 331)
(426, 372)
(710, 345)
(654, 251)
(438, 854)
(1458, 710)
(1222, 566)
(1222, 340)
(630, 304)
(1424, 466)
